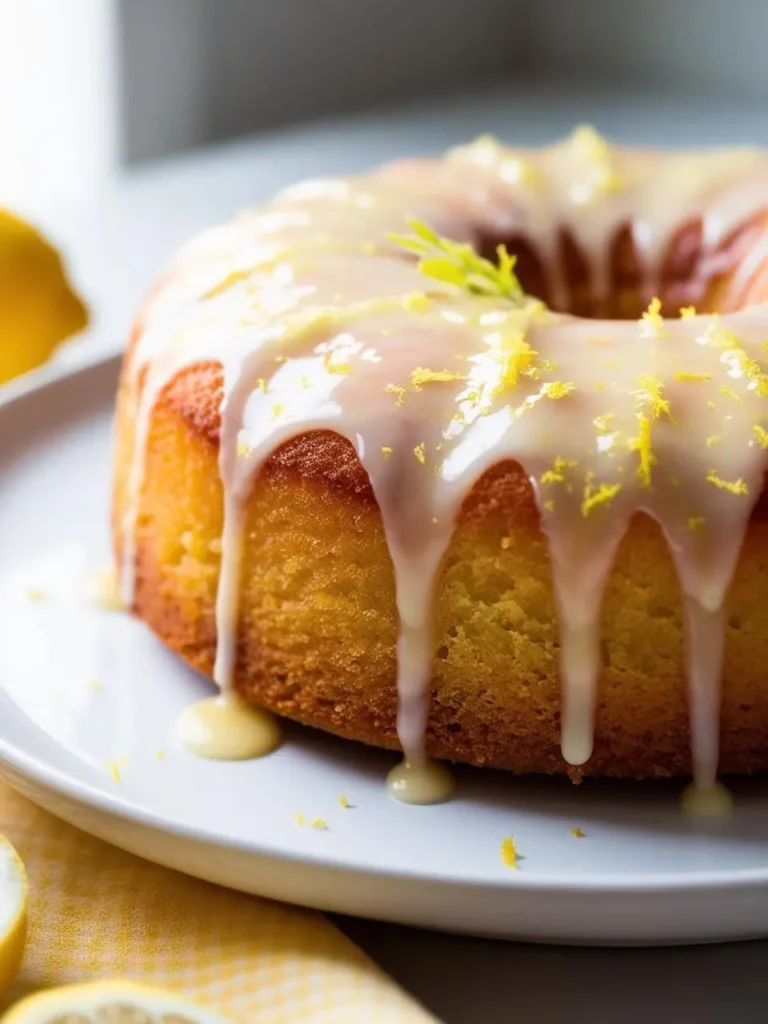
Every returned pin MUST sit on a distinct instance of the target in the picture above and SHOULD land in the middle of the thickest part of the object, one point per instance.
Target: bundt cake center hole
(621, 287)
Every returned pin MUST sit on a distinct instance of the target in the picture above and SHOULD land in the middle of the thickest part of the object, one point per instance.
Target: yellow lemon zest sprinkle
(416, 302)
(319, 823)
(730, 393)
(509, 853)
(713, 439)
(549, 505)
(115, 768)
(386, 450)
(642, 445)
(693, 378)
(262, 385)
(652, 321)
(95, 686)
(160, 754)
(737, 487)
(601, 495)
(36, 594)
(558, 389)
(300, 819)
(243, 448)
(720, 337)
(757, 378)
(577, 833)
(397, 391)
(331, 367)
(514, 357)
(695, 523)
(277, 410)
(420, 451)
(649, 392)
(686, 312)
(343, 802)
(421, 376)
(458, 264)
(556, 475)
(761, 434)
(603, 422)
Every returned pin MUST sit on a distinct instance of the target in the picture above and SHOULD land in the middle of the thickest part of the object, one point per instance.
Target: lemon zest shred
(319, 823)
(693, 378)
(300, 819)
(761, 434)
(556, 475)
(558, 389)
(686, 312)
(737, 487)
(652, 321)
(422, 376)
(115, 768)
(713, 439)
(730, 393)
(386, 450)
(577, 833)
(601, 495)
(343, 802)
(649, 392)
(397, 391)
(416, 302)
(420, 451)
(603, 422)
(695, 523)
(509, 853)
(643, 446)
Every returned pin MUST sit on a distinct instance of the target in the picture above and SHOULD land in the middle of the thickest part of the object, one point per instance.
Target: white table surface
(115, 242)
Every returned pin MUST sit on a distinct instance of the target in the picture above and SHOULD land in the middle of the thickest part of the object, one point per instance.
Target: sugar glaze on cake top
(322, 321)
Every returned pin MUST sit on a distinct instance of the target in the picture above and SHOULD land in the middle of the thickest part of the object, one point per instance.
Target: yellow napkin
(97, 912)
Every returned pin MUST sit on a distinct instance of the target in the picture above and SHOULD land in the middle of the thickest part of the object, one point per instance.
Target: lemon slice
(108, 1002)
(13, 912)
(38, 308)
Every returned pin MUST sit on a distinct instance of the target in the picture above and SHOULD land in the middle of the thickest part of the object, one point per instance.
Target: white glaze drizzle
(317, 320)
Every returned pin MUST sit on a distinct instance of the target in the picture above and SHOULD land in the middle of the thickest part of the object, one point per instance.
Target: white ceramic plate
(80, 688)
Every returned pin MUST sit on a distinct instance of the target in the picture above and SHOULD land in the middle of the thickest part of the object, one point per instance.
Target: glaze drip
(321, 322)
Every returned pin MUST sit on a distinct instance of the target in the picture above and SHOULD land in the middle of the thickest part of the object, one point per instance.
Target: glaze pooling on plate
(321, 322)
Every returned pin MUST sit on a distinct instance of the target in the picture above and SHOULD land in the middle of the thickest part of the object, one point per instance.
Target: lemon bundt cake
(376, 477)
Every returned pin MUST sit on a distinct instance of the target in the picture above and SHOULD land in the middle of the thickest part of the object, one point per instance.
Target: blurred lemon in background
(38, 308)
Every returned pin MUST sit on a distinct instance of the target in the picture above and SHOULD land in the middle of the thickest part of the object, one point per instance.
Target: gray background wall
(198, 70)
(193, 71)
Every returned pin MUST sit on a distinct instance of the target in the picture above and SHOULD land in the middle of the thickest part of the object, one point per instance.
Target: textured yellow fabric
(97, 912)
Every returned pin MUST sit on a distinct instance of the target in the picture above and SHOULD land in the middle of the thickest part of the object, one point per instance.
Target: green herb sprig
(459, 264)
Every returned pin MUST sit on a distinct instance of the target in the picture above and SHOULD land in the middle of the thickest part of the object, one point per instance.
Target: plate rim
(70, 786)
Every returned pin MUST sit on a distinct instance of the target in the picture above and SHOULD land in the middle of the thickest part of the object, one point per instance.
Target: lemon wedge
(13, 912)
(38, 308)
(115, 1002)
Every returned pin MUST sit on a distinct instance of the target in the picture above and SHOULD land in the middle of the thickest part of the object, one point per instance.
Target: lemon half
(13, 912)
(111, 1002)
(38, 308)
